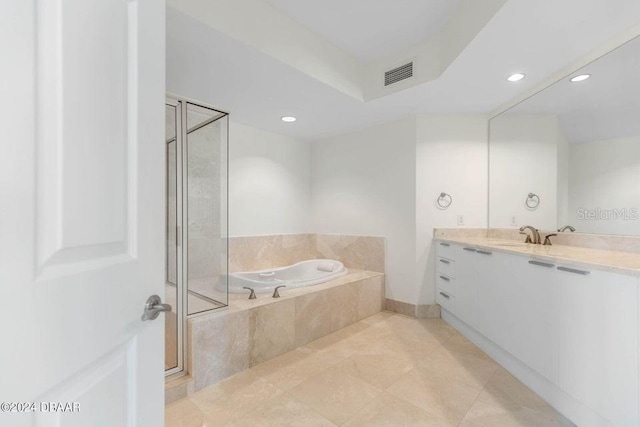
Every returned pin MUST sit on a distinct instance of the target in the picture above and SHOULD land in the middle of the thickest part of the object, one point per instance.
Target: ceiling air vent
(397, 74)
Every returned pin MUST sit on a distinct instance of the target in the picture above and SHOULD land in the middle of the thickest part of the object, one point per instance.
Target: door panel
(107, 377)
(85, 138)
(83, 238)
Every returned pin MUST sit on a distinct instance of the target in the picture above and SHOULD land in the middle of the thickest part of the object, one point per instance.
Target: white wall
(364, 183)
(384, 181)
(523, 156)
(451, 157)
(269, 183)
(605, 175)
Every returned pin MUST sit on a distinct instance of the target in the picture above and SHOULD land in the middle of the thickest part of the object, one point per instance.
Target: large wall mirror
(570, 155)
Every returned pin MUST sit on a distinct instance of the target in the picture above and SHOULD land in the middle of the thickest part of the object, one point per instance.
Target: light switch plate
(460, 219)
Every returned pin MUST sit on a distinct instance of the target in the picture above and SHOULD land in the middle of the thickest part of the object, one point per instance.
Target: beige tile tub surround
(262, 252)
(359, 252)
(356, 252)
(616, 261)
(250, 332)
(385, 370)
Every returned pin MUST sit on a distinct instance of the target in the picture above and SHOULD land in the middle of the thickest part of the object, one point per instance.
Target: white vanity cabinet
(486, 310)
(577, 328)
(598, 341)
(467, 285)
(534, 315)
(495, 296)
(446, 276)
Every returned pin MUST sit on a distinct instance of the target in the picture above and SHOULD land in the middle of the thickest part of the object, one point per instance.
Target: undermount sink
(508, 244)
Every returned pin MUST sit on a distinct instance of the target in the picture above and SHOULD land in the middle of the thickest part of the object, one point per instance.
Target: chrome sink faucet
(535, 234)
(567, 227)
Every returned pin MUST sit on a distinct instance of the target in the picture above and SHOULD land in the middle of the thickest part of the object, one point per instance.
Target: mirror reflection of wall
(576, 144)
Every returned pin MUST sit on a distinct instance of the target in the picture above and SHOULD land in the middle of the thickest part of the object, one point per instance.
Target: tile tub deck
(250, 332)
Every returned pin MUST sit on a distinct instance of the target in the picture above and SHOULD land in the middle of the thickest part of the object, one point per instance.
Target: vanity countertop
(581, 257)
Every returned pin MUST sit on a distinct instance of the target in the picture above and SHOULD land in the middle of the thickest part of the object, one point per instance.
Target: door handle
(573, 270)
(541, 264)
(154, 307)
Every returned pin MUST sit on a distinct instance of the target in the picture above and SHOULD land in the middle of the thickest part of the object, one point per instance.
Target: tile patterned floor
(387, 370)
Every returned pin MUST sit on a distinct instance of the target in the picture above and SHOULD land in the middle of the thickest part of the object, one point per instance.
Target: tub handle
(252, 295)
(269, 274)
(276, 294)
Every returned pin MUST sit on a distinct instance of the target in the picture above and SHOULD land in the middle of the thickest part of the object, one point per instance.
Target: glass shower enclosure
(197, 143)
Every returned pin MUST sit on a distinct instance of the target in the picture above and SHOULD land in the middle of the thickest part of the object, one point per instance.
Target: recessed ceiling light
(516, 77)
(580, 78)
(288, 119)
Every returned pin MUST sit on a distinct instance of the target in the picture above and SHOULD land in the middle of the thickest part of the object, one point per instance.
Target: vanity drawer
(447, 284)
(446, 301)
(446, 250)
(446, 267)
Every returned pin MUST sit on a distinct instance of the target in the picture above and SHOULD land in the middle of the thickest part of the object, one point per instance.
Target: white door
(81, 211)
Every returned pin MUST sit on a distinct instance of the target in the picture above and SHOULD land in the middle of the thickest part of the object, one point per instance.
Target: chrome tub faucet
(252, 295)
(276, 293)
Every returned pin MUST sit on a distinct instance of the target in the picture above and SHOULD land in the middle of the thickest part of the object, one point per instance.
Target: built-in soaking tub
(305, 273)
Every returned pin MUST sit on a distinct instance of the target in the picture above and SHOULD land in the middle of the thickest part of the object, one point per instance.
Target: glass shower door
(173, 320)
(196, 219)
(206, 194)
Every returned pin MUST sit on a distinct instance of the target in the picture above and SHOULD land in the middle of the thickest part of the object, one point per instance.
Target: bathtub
(305, 273)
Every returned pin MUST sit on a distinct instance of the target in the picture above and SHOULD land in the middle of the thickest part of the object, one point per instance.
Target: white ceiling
(539, 38)
(370, 29)
(605, 106)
